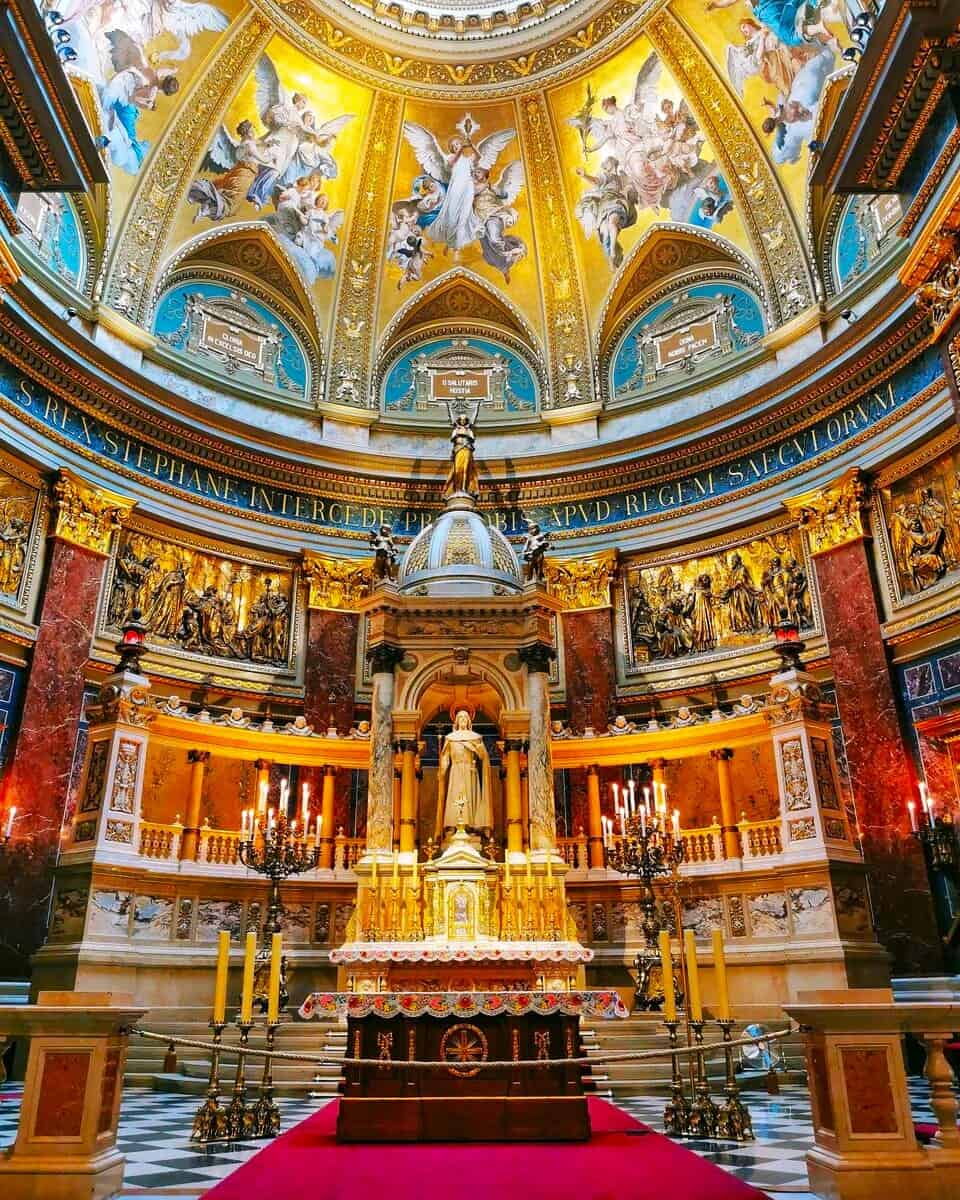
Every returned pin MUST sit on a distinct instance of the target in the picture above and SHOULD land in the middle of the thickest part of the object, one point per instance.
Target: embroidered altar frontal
(506, 1076)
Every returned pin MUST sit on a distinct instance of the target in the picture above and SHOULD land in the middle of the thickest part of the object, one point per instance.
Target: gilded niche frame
(745, 654)
(235, 616)
(24, 520)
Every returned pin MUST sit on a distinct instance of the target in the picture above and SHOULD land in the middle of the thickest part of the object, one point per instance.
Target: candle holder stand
(266, 1114)
(239, 1114)
(733, 1118)
(702, 1122)
(210, 1123)
(676, 1115)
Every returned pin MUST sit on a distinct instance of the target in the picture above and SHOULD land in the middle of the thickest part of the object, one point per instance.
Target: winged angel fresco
(455, 202)
(285, 166)
(119, 47)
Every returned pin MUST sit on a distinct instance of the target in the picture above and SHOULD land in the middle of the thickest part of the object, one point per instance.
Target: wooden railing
(160, 841)
(760, 839)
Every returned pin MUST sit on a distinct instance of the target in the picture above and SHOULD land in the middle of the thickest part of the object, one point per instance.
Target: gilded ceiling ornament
(760, 199)
(565, 312)
(337, 583)
(939, 294)
(9, 268)
(87, 516)
(581, 582)
(171, 167)
(351, 359)
(834, 515)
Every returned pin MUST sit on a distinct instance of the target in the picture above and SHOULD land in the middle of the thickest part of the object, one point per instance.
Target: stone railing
(702, 845)
(160, 841)
(760, 839)
(347, 852)
(573, 851)
(219, 846)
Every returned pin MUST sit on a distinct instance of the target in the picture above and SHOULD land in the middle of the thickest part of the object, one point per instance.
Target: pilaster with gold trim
(761, 201)
(569, 354)
(583, 586)
(163, 182)
(336, 587)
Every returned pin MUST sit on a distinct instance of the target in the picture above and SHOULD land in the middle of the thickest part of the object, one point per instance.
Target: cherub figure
(535, 546)
(385, 552)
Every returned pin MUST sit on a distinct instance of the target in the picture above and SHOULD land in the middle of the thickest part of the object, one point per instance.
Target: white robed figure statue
(464, 780)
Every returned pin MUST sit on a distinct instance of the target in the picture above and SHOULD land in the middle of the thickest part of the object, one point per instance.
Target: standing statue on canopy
(464, 788)
(462, 478)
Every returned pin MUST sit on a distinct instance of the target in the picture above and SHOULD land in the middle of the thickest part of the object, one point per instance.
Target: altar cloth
(461, 952)
(463, 1004)
(623, 1160)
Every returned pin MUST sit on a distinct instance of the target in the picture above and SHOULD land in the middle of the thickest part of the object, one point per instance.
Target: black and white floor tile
(154, 1135)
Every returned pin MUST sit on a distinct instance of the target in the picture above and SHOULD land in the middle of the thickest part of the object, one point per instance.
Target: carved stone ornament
(337, 583)
(939, 294)
(122, 703)
(581, 582)
(834, 515)
(793, 702)
(87, 516)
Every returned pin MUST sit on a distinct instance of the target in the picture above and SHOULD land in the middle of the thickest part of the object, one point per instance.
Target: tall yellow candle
(220, 986)
(506, 868)
(529, 870)
(550, 865)
(416, 873)
(694, 1003)
(666, 967)
(246, 991)
(273, 991)
(720, 968)
(396, 867)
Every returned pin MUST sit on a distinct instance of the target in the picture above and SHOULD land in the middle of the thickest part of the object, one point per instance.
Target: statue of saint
(464, 781)
(462, 478)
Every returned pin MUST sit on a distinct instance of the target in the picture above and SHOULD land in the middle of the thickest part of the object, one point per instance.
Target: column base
(37, 1177)
(881, 1174)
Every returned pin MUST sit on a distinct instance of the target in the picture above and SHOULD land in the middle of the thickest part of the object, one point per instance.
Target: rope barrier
(445, 1064)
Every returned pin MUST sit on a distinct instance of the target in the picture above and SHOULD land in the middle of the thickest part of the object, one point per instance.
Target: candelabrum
(650, 847)
(702, 1118)
(733, 1118)
(266, 1114)
(676, 1115)
(210, 1123)
(240, 1122)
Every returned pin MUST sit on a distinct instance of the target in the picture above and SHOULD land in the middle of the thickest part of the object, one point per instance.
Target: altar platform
(506, 1064)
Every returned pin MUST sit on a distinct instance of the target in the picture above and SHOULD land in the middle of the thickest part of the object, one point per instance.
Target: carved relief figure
(535, 545)
(922, 513)
(15, 515)
(464, 782)
(385, 553)
(202, 603)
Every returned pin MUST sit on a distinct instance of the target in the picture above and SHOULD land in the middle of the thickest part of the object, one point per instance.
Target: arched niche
(460, 314)
(859, 231)
(686, 299)
(58, 234)
(248, 261)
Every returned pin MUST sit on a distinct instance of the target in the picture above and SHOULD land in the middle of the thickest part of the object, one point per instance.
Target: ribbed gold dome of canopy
(460, 554)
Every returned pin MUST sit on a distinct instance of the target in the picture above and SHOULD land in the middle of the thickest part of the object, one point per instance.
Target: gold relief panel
(20, 510)
(921, 515)
(581, 583)
(719, 600)
(835, 515)
(125, 776)
(337, 583)
(87, 516)
(200, 602)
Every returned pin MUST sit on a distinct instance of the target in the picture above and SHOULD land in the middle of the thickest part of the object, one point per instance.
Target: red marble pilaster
(331, 665)
(940, 768)
(590, 669)
(881, 771)
(38, 778)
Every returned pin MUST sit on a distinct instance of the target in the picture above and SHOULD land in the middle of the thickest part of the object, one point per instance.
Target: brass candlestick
(676, 1115)
(239, 1115)
(210, 1123)
(702, 1122)
(266, 1115)
(733, 1118)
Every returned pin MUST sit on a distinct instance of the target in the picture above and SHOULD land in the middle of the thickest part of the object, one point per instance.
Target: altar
(531, 1091)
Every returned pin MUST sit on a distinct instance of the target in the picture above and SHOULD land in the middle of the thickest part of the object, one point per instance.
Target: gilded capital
(337, 583)
(580, 583)
(86, 515)
(834, 515)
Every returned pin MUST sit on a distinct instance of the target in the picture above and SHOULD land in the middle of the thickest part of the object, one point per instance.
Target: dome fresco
(545, 177)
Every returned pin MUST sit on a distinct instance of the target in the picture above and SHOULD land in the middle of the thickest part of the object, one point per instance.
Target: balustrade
(573, 851)
(219, 846)
(760, 839)
(702, 845)
(160, 841)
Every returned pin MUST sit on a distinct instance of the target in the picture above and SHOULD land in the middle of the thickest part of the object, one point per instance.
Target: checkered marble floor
(161, 1160)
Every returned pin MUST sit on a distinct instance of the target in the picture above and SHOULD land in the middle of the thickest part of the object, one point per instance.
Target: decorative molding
(349, 376)
(339, 584)
(582, 583)
(87, 515)
(9, 268)
(836, 514)
(761, 202)
(564, 306)
(162, 183)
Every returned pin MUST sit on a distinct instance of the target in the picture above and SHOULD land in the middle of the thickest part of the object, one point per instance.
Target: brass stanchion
(676, 1115)
(210, 1123)
(733, 1119)
(266, 1114)
(239, 1115)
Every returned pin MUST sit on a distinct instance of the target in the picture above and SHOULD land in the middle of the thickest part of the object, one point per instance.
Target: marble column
(38, 778)
(589, 668)
(327, 819)
(408, 795)
(383, 662)
(514, 796)
(728, 807)
(543, 821)
(525, 801)
(395, 815)
(594, 821)
(881, 771)
(190, 842)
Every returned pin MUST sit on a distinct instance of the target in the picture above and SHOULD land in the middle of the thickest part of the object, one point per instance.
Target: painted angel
(456, 224)
(135, 86)
(234, 163)
(182, 21)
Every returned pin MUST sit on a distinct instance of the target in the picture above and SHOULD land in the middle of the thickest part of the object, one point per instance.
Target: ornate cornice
(582, 583)
(338, 584)
(834, 515)
(9, 267)
(761, 201)
(86, 515)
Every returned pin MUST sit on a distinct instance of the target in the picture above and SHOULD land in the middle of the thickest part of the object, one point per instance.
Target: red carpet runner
(623, 1161)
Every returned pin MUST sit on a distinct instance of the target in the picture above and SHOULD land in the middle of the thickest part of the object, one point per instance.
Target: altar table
(385, 1100)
